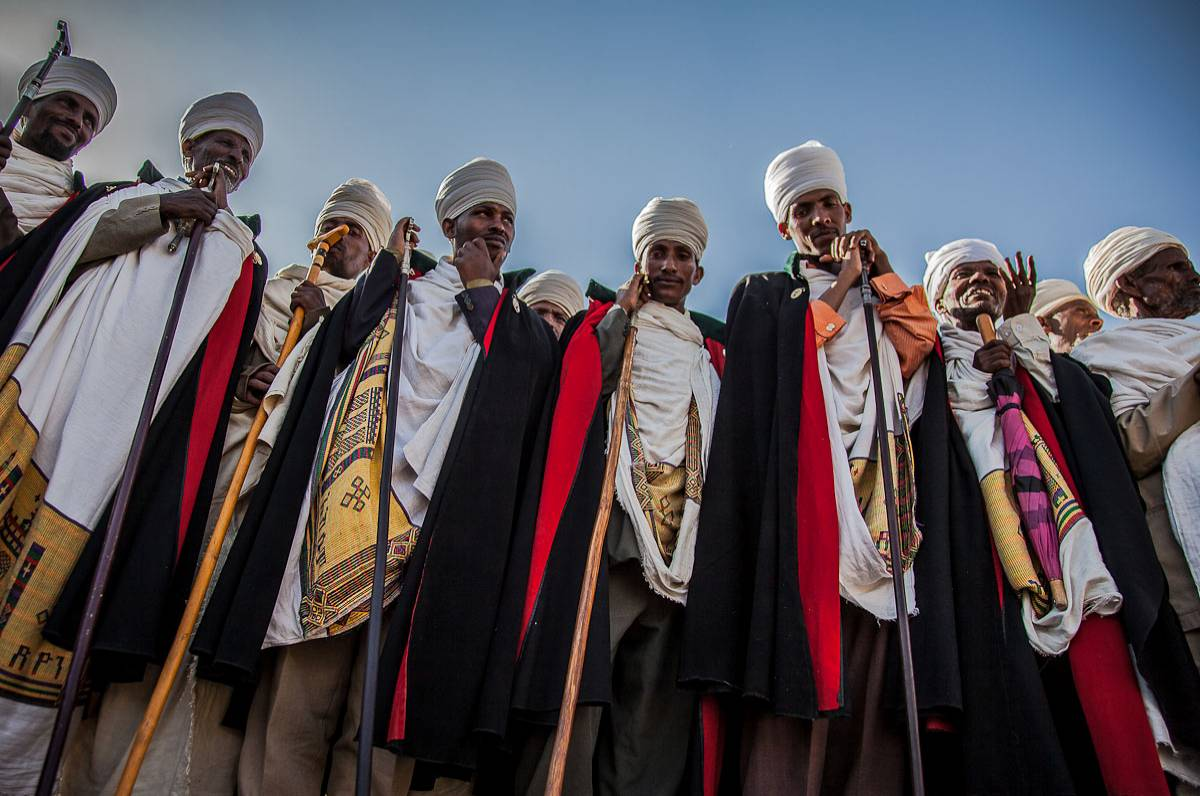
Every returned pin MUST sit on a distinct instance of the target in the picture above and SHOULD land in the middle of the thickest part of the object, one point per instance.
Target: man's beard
(1183, 304)
(46, 144)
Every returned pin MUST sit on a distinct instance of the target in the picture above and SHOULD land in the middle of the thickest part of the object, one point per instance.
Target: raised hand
(474, 262)
(309, 297)
(400, 234)
(1021, 285)
(842, 247)
(634, 293)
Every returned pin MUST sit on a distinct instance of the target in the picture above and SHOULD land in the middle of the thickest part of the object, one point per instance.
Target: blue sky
(1041, 126)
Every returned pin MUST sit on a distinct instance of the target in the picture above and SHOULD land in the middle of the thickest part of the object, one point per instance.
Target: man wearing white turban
(76, 102)
(799, 366)
(554, 296)
(1153, 365)
(1067, 314)
(291, 603)
(1111, 594)
(643, 746)
(81, 315)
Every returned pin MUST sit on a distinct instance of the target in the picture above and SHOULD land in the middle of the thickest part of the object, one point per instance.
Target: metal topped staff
(213, 176)
(869, 300)
(61, 47)
(320, 246)
(366, 728)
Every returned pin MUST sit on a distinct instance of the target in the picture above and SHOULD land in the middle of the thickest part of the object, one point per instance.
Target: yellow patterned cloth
(867, 476)
(338, 555)
(661, 488)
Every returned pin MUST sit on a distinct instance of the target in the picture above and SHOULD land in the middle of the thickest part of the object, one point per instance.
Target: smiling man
(476, 371)
(1153, 365)
(633, 652)
(76, 102)
(1067, 315)
(80, 334)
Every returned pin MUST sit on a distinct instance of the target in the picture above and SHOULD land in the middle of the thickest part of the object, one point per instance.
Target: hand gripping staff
(883, 446)
(587, 592)
(61, 47)
(170, 671)
(366, 728)
(214, 177)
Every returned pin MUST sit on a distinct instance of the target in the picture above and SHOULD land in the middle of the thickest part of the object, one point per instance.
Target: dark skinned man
(1066, 314)
(477, 368)
(634, 726)
(75, 367)
(1083, 602)
(554, 296)
(1153, 365)
(792, 563)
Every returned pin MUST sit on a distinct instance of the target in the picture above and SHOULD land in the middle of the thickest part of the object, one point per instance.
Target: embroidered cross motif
(356, 497)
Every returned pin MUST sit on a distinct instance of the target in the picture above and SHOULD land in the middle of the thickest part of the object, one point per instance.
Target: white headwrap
(1122, 251)
(362, 202)
(793, 173)
(675, 219)
(939, 264)
(82, 77)
(1052, 295)
(230, 110)
(474, 183)
(556, 288)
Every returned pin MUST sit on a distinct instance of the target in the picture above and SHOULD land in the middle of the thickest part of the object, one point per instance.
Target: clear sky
(1041, 126)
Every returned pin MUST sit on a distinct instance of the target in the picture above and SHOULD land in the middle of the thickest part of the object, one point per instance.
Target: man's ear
(186, 147)
(849, 212)
(784, 231)
(698, 275)
(1128, 286)
(1046, 326)
(448, 228)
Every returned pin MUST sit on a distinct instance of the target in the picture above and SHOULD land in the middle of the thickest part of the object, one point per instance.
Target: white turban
(82, 77)
(474, 183)
(554, 287)
(675, 219)
(1121, 252)
(362, 202)
(939, 264)
(793, 173)
(230, 110)
(1052, 295)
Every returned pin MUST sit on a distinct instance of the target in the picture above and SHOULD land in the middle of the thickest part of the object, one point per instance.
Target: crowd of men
(744, 632)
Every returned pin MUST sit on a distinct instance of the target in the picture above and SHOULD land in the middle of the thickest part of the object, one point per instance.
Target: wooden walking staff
(320, 246)
(591, 572)
(61, 47)
(214, 177)
(366, 727)
(884, 447)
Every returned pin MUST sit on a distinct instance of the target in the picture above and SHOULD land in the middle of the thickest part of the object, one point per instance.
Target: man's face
(973, 288)
(1070, 324)
(351, 255)
(493, 222)
(60, 125)
(671, 269)
(220, 146)
(551, 314)
(1165, 286)
(815, 220)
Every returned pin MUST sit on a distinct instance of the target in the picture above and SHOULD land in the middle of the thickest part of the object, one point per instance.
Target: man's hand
(1021, 286)
(634, 293)
(5, 150)
(192, 203)
(841, 248)
(474, 262)
(309, 298)
(993, 357)
(400, 233)
(259, 383)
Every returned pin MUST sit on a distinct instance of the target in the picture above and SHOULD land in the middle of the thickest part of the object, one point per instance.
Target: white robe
(36, 186)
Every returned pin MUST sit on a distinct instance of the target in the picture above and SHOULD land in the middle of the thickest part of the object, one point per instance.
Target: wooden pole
(587, 593)
(212, 553)
(91, 611)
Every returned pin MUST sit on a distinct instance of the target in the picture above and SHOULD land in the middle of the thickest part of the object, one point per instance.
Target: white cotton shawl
(83, 377)
(671, 366)
(276, 315)
(845, 366)
(439, 355)
(36, 186)
(1089, 587)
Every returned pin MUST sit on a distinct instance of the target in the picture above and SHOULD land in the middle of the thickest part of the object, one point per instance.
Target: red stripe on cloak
(220, 353)
(712, 742)
(1102, 669)
(817, 533)
(487, 337)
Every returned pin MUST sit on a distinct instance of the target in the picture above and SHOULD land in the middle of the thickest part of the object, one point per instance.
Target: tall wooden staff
(366, 729)
(591, 572)
(320, 246)
(883, 444)
(213, 176)
(61, 47)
